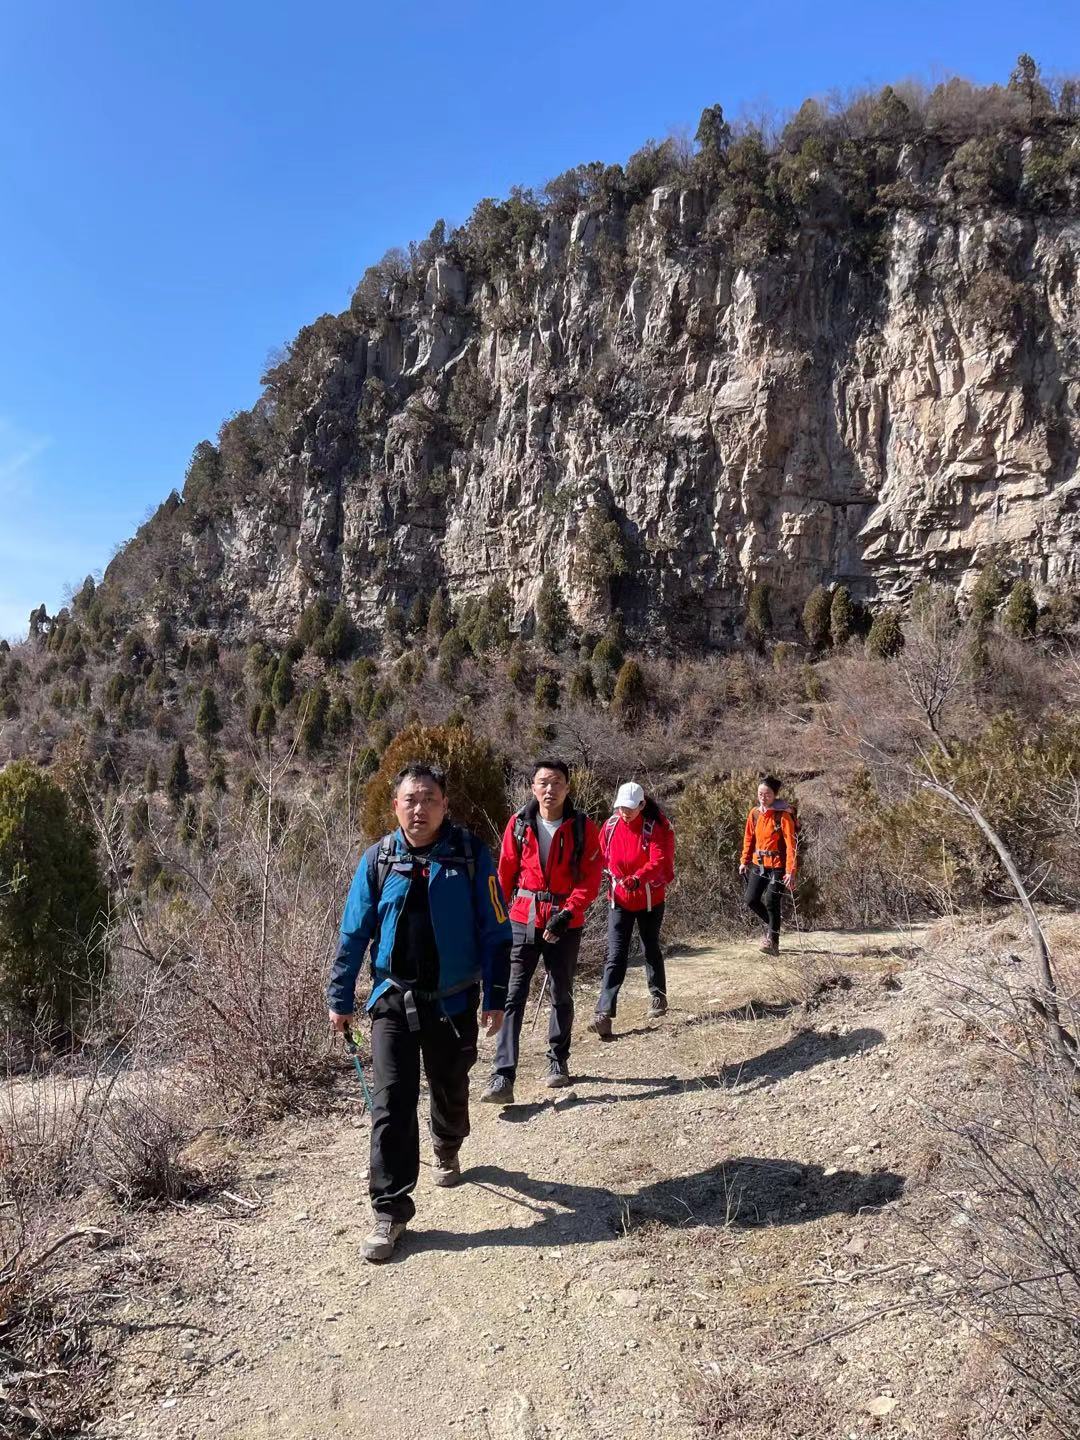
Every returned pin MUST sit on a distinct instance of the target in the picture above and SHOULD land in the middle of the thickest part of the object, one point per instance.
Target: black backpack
(386, 856)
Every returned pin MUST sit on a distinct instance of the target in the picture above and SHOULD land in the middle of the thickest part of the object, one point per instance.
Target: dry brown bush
(1012, 1252)
(140, 1143)
(53, 1382)
(243, 957)
(475, 772)
(740, 1396)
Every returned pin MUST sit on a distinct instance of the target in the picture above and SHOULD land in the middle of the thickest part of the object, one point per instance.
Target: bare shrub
(709, 819)
(49, 1125)
(739, 1396)
(53, 1384)
(104, 1121)
(138, 1154)
(227, 973)
(1013, 1250)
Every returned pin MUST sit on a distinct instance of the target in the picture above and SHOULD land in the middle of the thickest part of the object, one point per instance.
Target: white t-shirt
(546, 831)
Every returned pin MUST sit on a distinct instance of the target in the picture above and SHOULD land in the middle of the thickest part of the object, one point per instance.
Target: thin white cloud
(18, 451)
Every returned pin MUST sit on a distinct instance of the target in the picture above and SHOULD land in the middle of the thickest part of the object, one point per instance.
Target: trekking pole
(543, 992)
(354, 1052)
(795, 912)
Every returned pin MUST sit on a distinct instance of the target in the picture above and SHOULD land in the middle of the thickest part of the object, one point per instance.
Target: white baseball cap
(630, 796)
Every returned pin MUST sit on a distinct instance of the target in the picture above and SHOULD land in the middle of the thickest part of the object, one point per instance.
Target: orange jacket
(770, 839)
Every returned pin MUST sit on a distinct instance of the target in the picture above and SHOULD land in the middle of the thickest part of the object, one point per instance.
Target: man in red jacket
(639, 848)
(550, 866)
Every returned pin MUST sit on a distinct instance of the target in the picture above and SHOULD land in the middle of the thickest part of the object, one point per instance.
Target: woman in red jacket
(639, 847)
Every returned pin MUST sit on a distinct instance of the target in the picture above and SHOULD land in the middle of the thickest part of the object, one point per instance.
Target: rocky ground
(716, 1231)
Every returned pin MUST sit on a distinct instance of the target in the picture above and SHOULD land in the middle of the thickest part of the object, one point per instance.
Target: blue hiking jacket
(472, 932)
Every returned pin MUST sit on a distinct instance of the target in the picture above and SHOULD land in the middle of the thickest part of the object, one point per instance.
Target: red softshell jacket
(770, 839)
(627, 856)
(575, 892)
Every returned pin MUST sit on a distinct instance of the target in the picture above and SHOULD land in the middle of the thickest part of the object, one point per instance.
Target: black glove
(558, 922)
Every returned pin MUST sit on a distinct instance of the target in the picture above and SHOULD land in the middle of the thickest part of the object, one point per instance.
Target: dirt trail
(570, 1285)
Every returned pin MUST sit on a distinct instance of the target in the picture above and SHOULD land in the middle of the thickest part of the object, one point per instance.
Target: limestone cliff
(632, 401)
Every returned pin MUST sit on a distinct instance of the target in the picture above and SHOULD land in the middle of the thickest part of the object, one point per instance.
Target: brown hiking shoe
(657, 1007)
(447, 1170)
(380, 1240)
(769, 946)
(601, 1025)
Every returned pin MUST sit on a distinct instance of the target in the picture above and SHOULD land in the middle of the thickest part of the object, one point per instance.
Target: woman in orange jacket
(769, 858)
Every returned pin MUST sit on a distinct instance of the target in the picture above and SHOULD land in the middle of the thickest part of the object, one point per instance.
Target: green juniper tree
(816, 618)
(547, 691)
(1021, 611)
(208, 722)
(758, 615)
(553, 628)
(53, 902)
(178, 779)
(841, 616)
(886, 638)
(630, 697)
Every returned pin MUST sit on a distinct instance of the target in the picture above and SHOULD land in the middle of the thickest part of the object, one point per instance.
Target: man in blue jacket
(426, 899)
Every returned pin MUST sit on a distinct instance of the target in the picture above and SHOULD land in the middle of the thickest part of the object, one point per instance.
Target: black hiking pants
(620, 932)
(560, 961)
(447, 1045)
(764, 896)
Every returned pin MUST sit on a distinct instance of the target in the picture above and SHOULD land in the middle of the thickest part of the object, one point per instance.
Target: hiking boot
(770, 946)
(558, 1075)
(499, 1090)
(447, 1170)
(658, 1007)
(601, 1025)
(380, 1240)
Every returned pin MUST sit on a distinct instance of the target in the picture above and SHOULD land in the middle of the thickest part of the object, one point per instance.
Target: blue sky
(185, 185)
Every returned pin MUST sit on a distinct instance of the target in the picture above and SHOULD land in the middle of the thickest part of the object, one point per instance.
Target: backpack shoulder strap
(468, 849)
(381, 859)
(521, 826)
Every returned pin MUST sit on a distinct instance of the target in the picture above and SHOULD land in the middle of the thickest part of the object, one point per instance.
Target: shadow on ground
(799, 1053)
(795, 1055)
(741, 1193)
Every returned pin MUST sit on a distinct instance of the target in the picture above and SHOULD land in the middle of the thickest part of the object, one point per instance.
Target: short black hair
(771, 781)
(551, 763)
(419, 770)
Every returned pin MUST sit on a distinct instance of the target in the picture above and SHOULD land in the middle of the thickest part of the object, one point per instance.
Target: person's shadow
(743, 1192)
(800, 1052)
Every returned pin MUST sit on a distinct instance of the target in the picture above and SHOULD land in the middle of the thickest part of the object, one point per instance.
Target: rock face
(662, 427)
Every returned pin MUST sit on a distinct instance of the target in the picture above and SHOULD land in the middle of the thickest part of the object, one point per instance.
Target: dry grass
(53, 1381)
(742, 1395)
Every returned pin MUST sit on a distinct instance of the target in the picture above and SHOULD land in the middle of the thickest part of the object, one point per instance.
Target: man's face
(420, 807)
(765, 796)
(550, 787)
